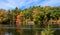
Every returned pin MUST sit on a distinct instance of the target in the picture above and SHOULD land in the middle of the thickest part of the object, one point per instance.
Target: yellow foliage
(0, 20)
(4, 19)
(21, 13)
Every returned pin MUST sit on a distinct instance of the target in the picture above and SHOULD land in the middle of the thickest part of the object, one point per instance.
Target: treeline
(35, 13)
(41, 16)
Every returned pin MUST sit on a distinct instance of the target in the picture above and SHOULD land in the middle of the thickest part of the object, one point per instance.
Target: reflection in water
(8, 33)
(26, 30)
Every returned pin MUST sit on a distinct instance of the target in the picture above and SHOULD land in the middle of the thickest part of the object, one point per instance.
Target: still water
(6, 33)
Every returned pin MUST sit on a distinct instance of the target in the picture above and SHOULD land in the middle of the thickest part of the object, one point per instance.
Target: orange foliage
(19, 22)
(18, 16)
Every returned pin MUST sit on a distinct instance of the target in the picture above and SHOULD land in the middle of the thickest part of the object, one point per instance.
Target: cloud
(50, 3)
(11, 4)
(14, 3)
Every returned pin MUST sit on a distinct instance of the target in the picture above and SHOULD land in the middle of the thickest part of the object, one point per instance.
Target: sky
(22, 4)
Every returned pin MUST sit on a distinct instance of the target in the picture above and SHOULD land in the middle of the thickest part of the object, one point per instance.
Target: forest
(34, 17)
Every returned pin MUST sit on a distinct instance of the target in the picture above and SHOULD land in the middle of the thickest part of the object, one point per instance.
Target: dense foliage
(41, 16)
